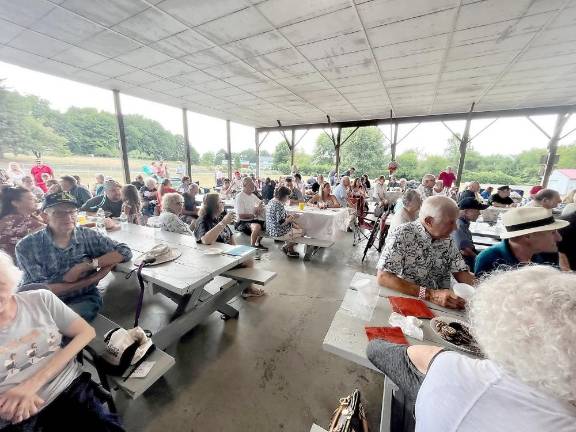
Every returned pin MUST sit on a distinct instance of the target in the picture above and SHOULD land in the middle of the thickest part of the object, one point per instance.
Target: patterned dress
(13, 228)
(275, 217)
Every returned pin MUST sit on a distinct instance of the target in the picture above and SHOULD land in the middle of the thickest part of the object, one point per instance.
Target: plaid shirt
(44, 262)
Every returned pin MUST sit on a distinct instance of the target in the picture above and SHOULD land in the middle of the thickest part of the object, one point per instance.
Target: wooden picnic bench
(131, 387)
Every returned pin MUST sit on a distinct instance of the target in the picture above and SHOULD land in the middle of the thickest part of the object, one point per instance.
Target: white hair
(437, 207)
(150, 181)
(524, 321)
(10, 274)
(169, 199)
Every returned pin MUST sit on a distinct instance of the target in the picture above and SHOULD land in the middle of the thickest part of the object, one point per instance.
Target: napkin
(410, 307)
(410, 325)
(389, 334)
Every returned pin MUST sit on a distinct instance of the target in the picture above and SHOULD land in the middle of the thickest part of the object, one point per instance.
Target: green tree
(324, 152)
(281, 154)
(220, 157)
(408, 165)
(364, 151)
(248, 155)
(207, 159)
(21, 132)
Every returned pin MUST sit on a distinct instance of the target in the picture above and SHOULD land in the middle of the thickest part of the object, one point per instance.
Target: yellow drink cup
(301, 205)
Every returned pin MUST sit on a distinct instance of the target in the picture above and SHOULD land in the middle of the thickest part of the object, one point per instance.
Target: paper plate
(212, 251)
(473, 349)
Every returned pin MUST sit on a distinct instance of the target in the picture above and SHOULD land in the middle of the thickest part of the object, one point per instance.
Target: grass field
(87, 167)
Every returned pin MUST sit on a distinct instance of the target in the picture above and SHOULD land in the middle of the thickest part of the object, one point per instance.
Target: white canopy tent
(259, 62)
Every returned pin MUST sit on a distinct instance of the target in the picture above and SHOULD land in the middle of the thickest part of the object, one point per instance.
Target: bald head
(438, 215)
(547, 198)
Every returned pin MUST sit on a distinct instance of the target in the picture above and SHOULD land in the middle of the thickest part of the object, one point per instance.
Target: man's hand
(447, 299)
(77, 272)
(19, 403)
(100, 274)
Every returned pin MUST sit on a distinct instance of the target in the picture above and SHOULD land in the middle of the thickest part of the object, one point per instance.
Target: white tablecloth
(324, 224)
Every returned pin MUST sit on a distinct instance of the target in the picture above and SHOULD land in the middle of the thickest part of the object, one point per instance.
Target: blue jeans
(87, 303)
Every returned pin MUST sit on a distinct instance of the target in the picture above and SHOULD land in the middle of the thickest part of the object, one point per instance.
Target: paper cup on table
(463, 290)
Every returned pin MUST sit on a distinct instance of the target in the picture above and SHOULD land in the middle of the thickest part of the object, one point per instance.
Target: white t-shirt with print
(30, 341)
(469, 395)
(246, 204)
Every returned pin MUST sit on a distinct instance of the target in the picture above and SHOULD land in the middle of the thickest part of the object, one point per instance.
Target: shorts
(244, 226)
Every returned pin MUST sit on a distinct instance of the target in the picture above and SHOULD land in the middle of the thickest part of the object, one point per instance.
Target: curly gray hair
(524, 321)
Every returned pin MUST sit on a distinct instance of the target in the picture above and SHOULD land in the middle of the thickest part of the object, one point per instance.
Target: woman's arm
(22, 401)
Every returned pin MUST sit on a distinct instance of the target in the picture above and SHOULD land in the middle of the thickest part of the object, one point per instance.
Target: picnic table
(185, 280)
(321, 224)
(369, 306)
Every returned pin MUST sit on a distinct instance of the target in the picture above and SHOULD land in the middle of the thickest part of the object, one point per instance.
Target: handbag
(349, 416)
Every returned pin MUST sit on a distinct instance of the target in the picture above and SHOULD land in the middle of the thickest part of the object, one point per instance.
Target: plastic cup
(463, 290)
(301, 206)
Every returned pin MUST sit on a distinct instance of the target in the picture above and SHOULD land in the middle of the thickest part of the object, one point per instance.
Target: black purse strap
(138, 271)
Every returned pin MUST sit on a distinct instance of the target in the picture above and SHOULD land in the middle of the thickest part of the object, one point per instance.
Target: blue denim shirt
(341, 195)
(42, 261)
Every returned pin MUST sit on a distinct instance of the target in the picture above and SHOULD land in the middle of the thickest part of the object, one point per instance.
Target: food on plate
(455, 332)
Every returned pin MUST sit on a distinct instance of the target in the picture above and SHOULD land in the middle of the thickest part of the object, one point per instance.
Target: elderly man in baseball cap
(66, 259)
(469, 212)
(531, 236)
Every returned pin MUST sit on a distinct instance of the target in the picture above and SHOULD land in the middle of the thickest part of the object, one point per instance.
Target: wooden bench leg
(228, 312)
(310, 251)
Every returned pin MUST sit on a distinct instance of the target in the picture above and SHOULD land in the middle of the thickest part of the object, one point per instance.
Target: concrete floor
(265, 371)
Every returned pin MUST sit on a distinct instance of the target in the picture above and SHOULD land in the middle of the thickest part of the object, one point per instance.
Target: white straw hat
(526, 220)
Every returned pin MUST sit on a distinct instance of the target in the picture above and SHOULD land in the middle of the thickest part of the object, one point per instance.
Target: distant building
(266, 162)
(563, 180)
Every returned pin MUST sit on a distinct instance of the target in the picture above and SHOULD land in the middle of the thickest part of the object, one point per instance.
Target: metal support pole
(463, 146)
(186, 142)
(292, 148)
(229, 149)
(394, 142)
(121, 136)
(337, 148)
(257, 142)
(553, 146)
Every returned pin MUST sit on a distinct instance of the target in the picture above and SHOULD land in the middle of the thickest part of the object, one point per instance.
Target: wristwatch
(94, 263)
(422, 293)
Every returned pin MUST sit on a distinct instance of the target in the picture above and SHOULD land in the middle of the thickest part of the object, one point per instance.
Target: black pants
(77, 408)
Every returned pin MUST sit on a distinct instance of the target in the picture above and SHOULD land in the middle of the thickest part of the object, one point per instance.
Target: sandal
(252, 292)
(290, 253)
(261, 247)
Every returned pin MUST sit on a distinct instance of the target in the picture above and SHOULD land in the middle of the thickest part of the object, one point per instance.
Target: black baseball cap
(54, 199)
(471, 204)
(503, 188)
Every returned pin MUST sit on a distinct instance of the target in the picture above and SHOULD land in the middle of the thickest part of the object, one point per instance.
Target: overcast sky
(506, 136)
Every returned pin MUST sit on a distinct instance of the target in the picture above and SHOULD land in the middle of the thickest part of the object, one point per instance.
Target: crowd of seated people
(429, 244)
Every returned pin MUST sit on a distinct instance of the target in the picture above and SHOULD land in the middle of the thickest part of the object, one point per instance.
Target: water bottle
(123, 219)
(100, 216)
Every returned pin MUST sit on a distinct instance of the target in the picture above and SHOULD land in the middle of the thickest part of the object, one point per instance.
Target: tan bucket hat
(526, 220)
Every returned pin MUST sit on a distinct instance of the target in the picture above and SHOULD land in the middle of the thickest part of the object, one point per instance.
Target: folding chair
(363, 225)
(379, 232)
